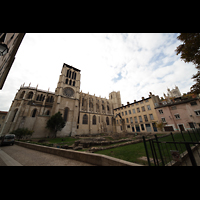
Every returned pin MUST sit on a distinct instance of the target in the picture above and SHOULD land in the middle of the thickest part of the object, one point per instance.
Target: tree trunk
(55, 134)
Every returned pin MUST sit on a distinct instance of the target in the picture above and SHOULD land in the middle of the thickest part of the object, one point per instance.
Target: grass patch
(129, 153)
(65, 140)
(132, 152)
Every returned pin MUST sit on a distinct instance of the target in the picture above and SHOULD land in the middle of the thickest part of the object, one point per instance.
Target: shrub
(21, 132)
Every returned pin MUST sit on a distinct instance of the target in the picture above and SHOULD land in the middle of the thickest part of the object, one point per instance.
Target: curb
(91, 158)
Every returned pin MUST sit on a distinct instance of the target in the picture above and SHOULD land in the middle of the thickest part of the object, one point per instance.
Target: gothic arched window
(66, 111)
(72, 75)
(38, 97)
(107, 120)
(67, 73)
(94, 120)
(82, 101)
(34, 112)
(30, 95)
(90, 105)
(41, 96)
(22, 94)
(48, 112)
(85, 119)
(52, 99)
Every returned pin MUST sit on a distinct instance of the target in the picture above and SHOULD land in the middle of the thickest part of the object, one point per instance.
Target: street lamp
(3, 49)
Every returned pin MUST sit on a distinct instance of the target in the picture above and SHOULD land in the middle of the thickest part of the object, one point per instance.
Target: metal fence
(173, 149)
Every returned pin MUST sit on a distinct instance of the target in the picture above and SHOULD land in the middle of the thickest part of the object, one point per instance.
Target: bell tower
(67, 98)
(69, 82)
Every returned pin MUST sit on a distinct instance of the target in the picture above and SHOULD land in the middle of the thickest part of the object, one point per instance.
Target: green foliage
(190, 52)
(21, 132)
(56, 123)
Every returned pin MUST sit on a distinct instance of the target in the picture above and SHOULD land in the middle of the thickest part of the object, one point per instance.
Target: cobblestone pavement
(11, 155)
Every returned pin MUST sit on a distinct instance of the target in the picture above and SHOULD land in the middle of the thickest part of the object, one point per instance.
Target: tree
(21, 132)
(160, 125)
(190, 52)
(56, 123)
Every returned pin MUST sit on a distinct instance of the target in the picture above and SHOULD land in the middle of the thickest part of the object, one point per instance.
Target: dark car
(7, 139)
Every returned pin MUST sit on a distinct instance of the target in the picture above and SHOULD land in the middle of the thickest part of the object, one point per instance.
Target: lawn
(66, 140)
(132, 152)
(129, 153)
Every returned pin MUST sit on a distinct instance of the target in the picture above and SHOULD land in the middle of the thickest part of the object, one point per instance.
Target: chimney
(122, 104)
(134, 101)
(127, 103)
(142, 98)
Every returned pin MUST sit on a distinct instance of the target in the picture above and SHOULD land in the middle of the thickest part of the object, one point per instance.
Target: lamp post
(3, 49)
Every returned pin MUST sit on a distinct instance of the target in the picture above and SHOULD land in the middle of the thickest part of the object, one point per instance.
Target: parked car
(7, 139)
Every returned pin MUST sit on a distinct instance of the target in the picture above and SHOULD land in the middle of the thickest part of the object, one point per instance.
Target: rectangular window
(148, 107)
(142, 126)
(151, 116)
(125, 112)
(133, 111)
(131, 119)
(197, 112)
(138, 110)
(163, 119)
(122, 113)
(127, 120)
(135, 118)
(143, 108)
(177, 116)
(129, 112)
(140, 118)
(160, 111)
(145, 118)
(137, 128)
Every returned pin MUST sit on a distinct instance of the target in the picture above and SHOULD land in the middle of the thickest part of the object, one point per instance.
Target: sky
(132, 63)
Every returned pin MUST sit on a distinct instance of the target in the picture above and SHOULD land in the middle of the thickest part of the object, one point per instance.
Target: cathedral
(83, 113)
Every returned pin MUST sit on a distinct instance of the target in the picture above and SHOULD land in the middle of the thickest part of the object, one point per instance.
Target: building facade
(174, 93)
(12, 41)
(139, 116)
(181, 114)
(83, 113)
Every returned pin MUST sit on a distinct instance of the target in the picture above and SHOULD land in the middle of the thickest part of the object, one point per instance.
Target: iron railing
(173, 149)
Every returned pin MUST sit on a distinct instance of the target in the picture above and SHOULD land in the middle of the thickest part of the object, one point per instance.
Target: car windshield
(9, 137)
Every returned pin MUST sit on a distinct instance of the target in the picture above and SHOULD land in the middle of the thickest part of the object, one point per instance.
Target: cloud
(134, 64)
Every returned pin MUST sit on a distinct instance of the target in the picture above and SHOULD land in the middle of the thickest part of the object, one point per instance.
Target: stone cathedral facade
(83, 113)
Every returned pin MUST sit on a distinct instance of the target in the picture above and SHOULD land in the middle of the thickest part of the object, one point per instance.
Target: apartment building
(139, 116)
(180, 114)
